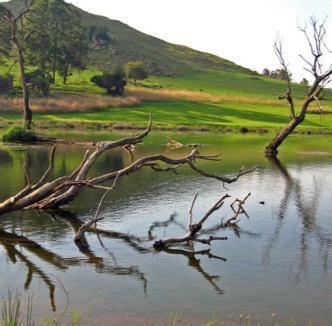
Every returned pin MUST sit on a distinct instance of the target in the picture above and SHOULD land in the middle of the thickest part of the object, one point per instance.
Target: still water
(278, 261)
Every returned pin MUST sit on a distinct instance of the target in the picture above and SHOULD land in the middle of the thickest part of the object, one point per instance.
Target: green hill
(125, 43)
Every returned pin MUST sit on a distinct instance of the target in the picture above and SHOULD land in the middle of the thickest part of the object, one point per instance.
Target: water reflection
(306, 202)
(116, 259)
(195, 263)
(5, 157)
(10, 241)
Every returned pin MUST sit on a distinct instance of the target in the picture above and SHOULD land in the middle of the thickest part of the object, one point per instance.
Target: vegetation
(210, 100)
(19, 134)
(113, 82)
(14, 35)
(277, 74)
(60, 42)
(228, 99)
(46, 34)
(6, 84)
(135, 70)
(15, 313)
(38, 82)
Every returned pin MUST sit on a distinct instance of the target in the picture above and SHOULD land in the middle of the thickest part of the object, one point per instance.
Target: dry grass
(84, 102)
(60, 103)
(319, 111)
(161, 94)
(153, 94)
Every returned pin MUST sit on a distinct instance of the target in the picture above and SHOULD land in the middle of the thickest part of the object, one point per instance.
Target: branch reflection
(306, 205)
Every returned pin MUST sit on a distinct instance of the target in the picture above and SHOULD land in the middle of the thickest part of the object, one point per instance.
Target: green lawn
(177, 113)
(253, 110)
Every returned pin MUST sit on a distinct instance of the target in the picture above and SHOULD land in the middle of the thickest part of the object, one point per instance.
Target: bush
(243, 130)
(19, 134)
(113, 82)
(6, 84)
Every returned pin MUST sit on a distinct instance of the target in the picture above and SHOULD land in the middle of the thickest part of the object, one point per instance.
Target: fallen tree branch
(191, 235)
(194, 229)
(61, 191)
(79, 234)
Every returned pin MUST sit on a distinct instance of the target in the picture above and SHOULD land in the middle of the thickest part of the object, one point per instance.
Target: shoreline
(129, 127)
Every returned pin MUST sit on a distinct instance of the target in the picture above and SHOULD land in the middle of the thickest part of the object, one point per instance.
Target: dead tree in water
(46, 194)
(318, 47)
(194, 228)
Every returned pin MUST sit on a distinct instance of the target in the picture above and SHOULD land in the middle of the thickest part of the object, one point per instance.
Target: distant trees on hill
(276, 74)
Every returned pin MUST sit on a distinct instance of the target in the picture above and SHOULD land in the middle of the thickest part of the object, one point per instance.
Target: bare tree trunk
(18, 38)
(27, 113)
(321, 78)
(65, 73)
(271, 150)
(53, 71)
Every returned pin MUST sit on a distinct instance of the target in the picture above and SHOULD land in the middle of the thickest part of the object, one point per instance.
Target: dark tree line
(281, 74)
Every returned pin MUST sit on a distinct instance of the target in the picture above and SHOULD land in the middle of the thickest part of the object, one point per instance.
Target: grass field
(205, 99)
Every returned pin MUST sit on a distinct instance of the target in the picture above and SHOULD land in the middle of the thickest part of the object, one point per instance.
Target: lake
(278, 261)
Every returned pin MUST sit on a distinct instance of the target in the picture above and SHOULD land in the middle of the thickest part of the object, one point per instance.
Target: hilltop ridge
(125, 43)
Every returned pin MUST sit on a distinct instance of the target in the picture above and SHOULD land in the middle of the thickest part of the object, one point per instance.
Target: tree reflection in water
(13, 244)
(306, 209)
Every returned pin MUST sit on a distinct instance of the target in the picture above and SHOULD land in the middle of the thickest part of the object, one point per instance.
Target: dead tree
(18, 37)
(318, 47)
(53, 194)
(194, 229)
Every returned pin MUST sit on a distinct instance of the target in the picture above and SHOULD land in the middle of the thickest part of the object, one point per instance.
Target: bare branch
(278, 49)
(191, 235)
(191, 211)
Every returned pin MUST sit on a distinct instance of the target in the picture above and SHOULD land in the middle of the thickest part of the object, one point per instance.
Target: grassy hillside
(127, 44)
(209, 94)
(200, 101)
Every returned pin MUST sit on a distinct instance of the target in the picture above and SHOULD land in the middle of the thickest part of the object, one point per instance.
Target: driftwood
(194, 229)
(53, 194)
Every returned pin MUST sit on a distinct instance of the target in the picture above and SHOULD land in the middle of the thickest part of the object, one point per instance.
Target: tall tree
(13, 27)
(67, 37)
(38, 45)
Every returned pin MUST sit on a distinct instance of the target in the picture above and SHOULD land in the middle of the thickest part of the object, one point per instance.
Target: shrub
(113, 82)
(243, 130)
(19, 134)
(6, 84)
